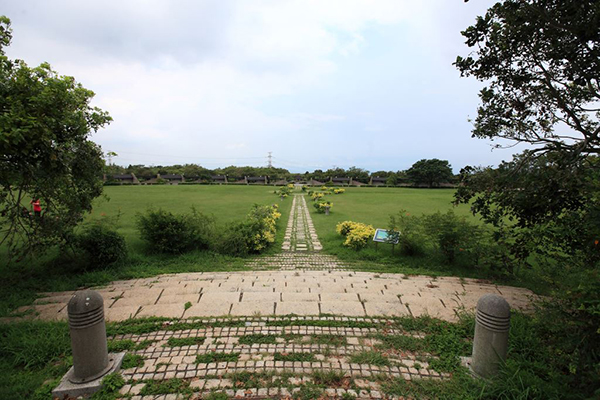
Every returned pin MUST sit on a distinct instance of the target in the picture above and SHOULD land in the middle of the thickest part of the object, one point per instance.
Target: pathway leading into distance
(293, 317)
(300, 234)
(300, 281)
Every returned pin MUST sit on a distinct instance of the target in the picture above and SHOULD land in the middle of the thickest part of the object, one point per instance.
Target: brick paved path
(300, 234)
(249, 322)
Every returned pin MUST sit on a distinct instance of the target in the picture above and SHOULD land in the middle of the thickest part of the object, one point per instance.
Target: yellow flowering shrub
(357, 234)
(343, 228)
(263, 220)
(339, 191)
(321, 206)
(317, 196)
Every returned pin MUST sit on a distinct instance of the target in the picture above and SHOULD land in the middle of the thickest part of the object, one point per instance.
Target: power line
(188, 157)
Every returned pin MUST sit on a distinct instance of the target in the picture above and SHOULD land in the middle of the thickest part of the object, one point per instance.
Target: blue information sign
(381, 236)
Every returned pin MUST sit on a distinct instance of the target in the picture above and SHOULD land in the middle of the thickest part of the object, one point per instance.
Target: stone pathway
(301, 292)
(300, 234)
(272, 357)
(276, 331)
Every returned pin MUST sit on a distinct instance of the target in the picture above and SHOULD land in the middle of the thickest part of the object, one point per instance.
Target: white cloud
(207, 77)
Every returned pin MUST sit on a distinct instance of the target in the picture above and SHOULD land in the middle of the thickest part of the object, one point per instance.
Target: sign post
(385, 236)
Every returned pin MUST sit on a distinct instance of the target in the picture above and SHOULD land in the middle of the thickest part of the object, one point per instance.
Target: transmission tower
(270, 165)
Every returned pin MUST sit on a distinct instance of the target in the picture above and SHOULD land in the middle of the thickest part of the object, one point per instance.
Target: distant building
(220, 179)
(377, 181)
(170, 179)
(129, 179)
(256, 180)
(341, 181)
(314, 182)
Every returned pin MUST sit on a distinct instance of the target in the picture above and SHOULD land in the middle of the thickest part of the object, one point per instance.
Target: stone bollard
(327, 210)
(490, 345)
(88, 336)
(91, 360)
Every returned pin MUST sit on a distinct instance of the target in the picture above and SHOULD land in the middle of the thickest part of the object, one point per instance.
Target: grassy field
(60, 271)
(226, 203)
(374, 206)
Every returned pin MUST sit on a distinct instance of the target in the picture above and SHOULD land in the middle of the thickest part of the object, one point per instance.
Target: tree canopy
(540, 61)
(431, 172)
(45, 123)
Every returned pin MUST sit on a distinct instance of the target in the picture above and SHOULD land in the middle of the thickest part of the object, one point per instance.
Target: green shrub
(357, 234)
(344, 228)
(411, 238)
(166, 232)
(451, 233)
(101, 245)
(253, 235)
(321, 206)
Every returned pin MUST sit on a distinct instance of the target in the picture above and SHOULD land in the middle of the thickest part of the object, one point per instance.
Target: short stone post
(327, 210)
(490, 345)
(91, 360)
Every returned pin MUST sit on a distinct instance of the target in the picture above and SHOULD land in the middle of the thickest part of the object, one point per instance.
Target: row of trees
(431, 173)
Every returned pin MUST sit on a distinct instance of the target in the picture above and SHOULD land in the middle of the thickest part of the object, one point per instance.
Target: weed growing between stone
(214, 357)
(189, 341)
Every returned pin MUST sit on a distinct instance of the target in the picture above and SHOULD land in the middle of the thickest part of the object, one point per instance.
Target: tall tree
(46, 154)
(430, 172)
(540, 60)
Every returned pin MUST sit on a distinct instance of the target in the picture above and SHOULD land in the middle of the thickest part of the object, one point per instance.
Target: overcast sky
(319, 83)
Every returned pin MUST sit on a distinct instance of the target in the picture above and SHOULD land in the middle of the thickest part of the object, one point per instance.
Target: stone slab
(249, 308)
(295, 297)
(268, 296)
(297, 307)
(134, 301)
(338, 297)
(120, 313)
(178, 298)
(219, 297)
(208, 309)
(162, 310)
(349, 308)
(386, 309)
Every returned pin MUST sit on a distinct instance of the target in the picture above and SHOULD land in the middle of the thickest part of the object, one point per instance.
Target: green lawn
(374, 206)
(59, 271)
(226, 203)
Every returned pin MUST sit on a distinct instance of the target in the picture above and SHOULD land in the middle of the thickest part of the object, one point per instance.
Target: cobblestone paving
(300, 234)
(278, 378)
(302, 285)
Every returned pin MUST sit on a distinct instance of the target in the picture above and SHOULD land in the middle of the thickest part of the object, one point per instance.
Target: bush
(170, 233)
(344, 228)
(451, 233)
(339, 191)
(321, 206)
(357, 234)
(102, 246)
(317, 196)
(252, 235)
(411, 238)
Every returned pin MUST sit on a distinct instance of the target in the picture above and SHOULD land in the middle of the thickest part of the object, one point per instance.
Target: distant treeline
(235, 173)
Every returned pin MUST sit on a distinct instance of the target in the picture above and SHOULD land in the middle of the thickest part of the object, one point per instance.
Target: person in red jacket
(37, 208)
